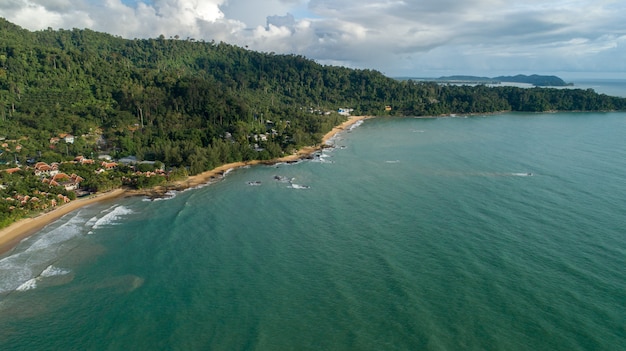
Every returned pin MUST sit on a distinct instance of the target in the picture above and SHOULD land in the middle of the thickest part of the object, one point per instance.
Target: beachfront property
(69, 182)
(44, 169)
(50, 174)
(83, 160)
(345, 111)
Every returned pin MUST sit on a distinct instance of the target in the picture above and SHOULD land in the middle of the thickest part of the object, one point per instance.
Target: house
(50, 182)
(69, 182)
(73, 183)
(261, 137)
(68, 138)
(63, 198)
(83, 160)
(12, 170)
(108, 165)
(44, 169)
(387, 108)
(345, 111)
(128, 160)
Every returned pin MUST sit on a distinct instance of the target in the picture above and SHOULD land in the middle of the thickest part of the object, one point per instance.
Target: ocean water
(612, 87)
(502, 232)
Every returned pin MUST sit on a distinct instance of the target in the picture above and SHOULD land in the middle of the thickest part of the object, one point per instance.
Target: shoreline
(17, 231)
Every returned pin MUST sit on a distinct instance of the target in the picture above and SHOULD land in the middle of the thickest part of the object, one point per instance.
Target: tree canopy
(197, 104)
(193, 105)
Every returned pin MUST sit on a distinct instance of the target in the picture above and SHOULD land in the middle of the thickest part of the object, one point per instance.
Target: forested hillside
(536, 80)
(197, 104)
(68, 97)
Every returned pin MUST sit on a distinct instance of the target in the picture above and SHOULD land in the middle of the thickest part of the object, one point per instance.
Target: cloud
(398, 37)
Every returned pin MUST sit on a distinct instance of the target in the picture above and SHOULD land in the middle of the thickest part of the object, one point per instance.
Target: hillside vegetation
(69, 96)
(199, 104)
(534, 79)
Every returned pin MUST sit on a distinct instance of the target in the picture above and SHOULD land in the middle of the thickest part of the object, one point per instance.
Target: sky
(414, 38)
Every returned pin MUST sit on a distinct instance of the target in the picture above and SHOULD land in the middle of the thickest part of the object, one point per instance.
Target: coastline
(215, 173)
(14, 233)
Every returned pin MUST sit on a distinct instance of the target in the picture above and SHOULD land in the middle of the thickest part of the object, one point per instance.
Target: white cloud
(398, 37)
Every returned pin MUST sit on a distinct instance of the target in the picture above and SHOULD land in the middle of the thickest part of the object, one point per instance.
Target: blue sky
(130, 2)
(420, 38)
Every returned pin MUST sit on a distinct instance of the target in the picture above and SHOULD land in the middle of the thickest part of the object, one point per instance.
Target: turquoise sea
(501, 232)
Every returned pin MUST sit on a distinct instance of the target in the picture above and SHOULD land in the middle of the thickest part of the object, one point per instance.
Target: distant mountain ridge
(534, 79)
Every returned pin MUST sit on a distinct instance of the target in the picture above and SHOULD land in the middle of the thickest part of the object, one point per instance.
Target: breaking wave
(52, 271)
(355, 125)
(298, 186)
(28, 285)
(32, 260)
(168, 195)
(49, 272)
(112, 217)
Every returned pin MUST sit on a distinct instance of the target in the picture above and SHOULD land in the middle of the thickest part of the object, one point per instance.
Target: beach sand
(11, 235)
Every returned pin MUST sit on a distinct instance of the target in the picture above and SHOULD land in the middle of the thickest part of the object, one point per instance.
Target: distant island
(534, 79)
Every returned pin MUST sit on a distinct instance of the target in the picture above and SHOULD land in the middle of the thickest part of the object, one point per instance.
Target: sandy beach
(17, 231)
(11, 235)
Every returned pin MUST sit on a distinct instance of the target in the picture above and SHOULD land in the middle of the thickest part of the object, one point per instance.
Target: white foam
(28, 285)
(297, 186)
(11, 275)
(31, 283)
(168, 195)
(282, 179)
(321, 158)
(32, 257)
(91, 221)
(356, 124)
(52, 271)
(65, 232)
(393, 161)
(112, 217)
